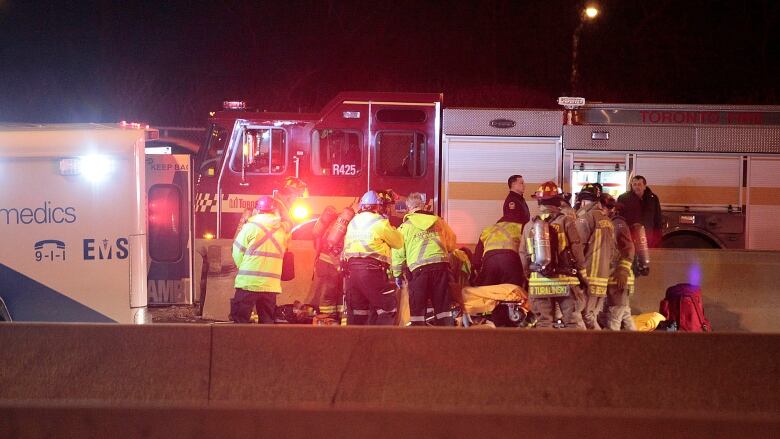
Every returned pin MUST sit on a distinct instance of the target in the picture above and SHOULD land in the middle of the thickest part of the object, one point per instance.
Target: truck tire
(687, 240)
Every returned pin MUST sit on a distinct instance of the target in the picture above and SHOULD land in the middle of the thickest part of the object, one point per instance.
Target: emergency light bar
(149, 133)
(94, 168)
(233, 105)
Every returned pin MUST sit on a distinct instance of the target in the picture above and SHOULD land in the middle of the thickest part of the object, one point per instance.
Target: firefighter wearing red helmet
(552, 256)
(258, 251)
(369, 288)
(598, 236)
(617, 312)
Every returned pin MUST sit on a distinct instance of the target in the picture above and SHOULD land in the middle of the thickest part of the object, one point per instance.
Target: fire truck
(713, 167)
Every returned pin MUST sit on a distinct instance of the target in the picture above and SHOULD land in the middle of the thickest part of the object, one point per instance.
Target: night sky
(169, 63)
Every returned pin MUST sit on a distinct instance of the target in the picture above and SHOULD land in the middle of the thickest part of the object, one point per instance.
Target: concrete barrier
(104, 362)
(425, 368)
(390, 368)
(30, 421)
(739, 287)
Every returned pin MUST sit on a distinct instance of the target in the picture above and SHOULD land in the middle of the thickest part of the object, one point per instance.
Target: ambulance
(73, 223)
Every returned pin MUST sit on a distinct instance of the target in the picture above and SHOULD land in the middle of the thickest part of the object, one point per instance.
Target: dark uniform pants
(371, 298)
(327, 288)
(544, 308)
(244, 301)
(501, 267)
(432, 282)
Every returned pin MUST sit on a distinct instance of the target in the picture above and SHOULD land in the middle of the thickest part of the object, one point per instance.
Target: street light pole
(586, 14)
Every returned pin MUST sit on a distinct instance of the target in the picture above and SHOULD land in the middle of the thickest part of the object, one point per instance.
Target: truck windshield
(214, 150)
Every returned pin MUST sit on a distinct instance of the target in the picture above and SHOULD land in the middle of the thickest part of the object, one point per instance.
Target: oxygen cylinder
(325, 220)
(541, 242)
(335, 235)
(642, 259)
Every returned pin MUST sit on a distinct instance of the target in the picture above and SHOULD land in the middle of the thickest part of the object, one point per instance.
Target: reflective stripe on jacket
(258, 251)
(503, 235)
(370, 235)
(568, 239)
(598, 234)
(427, 240)
(625, 251)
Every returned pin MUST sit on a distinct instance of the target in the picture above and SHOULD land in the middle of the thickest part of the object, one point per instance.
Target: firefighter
(598, 236)
(496, 256)
(617, 313)
(553, 258)
(292, 189)
(326, 287)
(428, 241)
(258, 251)
(370, 291)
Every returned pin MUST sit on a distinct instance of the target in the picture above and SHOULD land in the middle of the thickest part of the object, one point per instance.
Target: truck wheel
(687, 240)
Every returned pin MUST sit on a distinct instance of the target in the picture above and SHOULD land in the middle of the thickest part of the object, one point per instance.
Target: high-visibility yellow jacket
(427, 240)
(370, 235)
(568, 240)
(258, 251)
(503, 235)
(598, 235)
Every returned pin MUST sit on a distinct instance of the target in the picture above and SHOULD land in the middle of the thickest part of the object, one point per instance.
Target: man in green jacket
(258, 251)
(428, 241)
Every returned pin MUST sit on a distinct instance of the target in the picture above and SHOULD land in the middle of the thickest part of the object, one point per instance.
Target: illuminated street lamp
(587, 14)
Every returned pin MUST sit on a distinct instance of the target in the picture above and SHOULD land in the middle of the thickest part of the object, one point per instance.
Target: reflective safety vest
(258, 251)
(598, 234)
(427, 240)
(503, 235)
(558, 285)
(370, 235)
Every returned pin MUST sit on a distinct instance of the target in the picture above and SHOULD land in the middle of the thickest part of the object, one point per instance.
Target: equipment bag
(683, 306)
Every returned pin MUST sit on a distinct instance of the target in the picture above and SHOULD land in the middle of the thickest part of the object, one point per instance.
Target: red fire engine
(359, 141)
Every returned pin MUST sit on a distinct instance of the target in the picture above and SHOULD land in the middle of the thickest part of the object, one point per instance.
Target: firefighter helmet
(387, 197)
(547, 191)
(295, 186)
(589, 192)
(369, 199)
(265, 204)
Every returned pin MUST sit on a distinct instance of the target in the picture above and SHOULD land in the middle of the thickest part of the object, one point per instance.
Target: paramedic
(370, 292)
(258, 251)
(428, 241)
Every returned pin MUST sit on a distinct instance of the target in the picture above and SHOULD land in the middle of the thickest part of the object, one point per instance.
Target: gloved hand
(621, 278)
(583, 278)
(399, 282)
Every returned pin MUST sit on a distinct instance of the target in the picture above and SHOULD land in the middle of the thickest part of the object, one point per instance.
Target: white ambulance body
(73, 223)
